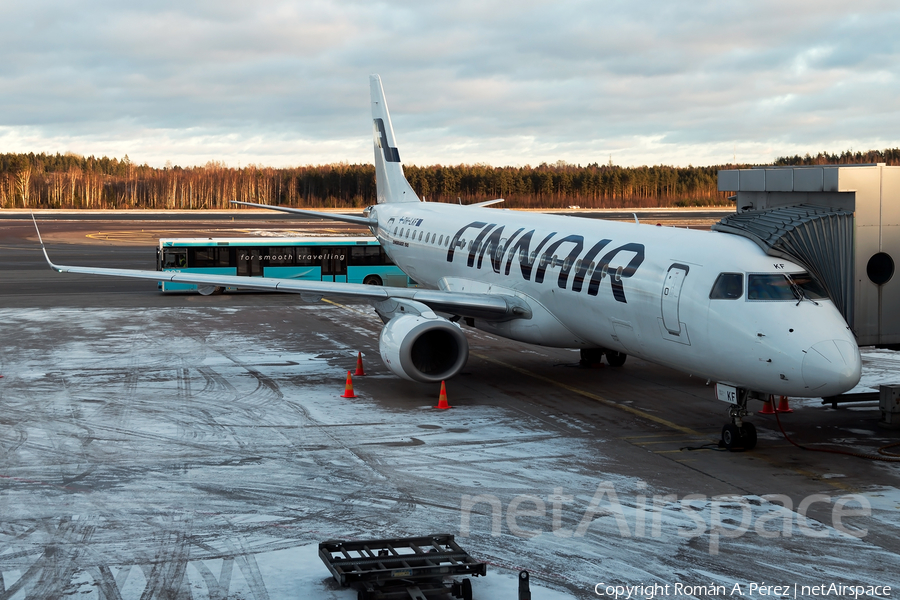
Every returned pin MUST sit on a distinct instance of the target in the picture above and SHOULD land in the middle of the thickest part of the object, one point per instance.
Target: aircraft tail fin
(390, 183)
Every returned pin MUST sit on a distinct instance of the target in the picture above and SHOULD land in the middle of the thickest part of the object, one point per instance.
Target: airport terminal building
(840, 221)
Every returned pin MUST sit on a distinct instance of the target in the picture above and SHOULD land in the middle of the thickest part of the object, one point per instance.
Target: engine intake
(421, 349)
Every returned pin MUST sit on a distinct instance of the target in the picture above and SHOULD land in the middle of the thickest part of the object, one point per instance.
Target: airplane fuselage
(636, 289)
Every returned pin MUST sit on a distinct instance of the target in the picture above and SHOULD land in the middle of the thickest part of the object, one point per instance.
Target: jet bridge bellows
(820, 238)
(842, 222)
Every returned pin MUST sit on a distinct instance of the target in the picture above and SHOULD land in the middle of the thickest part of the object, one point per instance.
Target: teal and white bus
(343, 259)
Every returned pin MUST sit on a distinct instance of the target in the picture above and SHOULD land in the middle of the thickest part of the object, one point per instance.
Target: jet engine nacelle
(423, 349)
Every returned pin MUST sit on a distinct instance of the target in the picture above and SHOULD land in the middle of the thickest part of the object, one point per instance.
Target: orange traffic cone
(359, 368)
(768, 406)
(348, 388)
(783, 405)
(442, 400)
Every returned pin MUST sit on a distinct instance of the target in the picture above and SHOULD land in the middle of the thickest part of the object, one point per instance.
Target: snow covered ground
(150, 453)
(882, 367)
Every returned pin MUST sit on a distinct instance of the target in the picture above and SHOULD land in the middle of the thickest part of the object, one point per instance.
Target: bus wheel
(372, 280)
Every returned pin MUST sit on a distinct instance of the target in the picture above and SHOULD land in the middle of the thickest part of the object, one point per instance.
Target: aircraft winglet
(41, 240)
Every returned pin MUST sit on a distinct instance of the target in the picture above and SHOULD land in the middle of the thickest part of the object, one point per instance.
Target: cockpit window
(781, 286)
(728, 286)
(811, 288)
(769, 287)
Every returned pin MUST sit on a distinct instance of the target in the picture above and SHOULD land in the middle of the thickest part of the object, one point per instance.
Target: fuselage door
(671, 295)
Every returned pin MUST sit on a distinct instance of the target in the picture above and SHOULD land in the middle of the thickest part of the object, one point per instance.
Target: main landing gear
(592, 356)
(739, 435)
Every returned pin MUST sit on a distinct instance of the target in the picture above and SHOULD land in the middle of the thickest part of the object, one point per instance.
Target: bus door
(334, 264)
(249, 263)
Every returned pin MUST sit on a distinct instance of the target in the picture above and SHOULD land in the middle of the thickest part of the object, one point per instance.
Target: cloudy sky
(286, 83)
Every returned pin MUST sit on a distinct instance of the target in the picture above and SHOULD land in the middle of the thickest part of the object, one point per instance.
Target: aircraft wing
(366, 221)
(494, 307)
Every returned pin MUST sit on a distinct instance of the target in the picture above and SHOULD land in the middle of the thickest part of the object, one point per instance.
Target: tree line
(890, 157)
(71, 181)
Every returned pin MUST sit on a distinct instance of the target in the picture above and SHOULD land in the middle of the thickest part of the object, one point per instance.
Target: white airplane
(710, 304)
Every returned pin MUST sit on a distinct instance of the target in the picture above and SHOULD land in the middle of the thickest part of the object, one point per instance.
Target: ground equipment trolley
(402, 568)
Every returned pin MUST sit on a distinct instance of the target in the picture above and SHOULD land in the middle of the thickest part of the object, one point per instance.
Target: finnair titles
(706, 303)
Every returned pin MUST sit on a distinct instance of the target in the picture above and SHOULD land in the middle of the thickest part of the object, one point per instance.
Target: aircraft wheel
(615, 359)
(372, 280)
(731, 436)
(748, 434)
(591, 357)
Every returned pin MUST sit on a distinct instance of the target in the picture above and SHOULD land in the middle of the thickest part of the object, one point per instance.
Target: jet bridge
(841, 222)
(819, 238)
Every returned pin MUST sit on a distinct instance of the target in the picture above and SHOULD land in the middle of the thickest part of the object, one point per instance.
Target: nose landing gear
(590, 357)
(738, 435)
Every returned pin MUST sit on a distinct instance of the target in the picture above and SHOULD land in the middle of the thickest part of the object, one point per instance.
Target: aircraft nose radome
(832, 367)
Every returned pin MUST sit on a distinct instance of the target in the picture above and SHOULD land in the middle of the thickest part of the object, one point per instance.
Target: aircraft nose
(831, 367)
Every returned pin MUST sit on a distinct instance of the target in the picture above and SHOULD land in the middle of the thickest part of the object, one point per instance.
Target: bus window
(728, 286)
(208, 257)
(279, 257)
(174, 258)
(367, 256)
(305, 257)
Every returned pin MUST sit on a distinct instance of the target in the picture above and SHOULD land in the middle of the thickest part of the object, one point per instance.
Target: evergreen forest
(70, 181)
